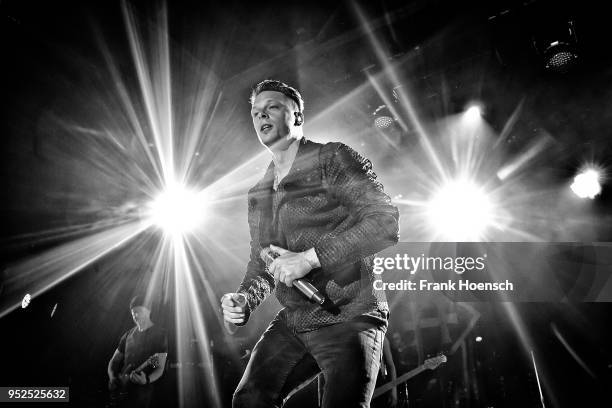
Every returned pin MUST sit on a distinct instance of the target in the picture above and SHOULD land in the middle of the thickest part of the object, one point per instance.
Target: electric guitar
(429, 364)
(119, 388)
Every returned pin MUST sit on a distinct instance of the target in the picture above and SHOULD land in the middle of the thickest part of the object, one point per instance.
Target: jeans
(348, 354)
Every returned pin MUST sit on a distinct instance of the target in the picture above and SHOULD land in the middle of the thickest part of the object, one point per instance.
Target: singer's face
(273, 117)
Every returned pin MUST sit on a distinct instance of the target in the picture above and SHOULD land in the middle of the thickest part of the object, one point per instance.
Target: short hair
(139, 300)
(278, 86)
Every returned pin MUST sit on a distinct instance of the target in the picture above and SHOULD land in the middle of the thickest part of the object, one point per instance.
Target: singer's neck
(283, 160)
(284, 157)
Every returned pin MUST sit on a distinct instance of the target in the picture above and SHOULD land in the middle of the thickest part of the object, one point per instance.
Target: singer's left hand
(289, 266)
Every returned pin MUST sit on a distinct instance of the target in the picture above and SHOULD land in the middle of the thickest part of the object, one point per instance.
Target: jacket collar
(306, 156)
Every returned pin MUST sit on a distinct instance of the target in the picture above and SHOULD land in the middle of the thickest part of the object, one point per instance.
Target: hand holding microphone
(287, 267)
(290, 267)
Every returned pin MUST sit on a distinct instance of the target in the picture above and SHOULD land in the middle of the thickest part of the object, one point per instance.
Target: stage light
(177, 210)
(478, 339)
(383, 122)
(586, 184)
(557, 45)
(26, 301)
(473, 114)
(460, 211)
(560, 57)
(383, 118)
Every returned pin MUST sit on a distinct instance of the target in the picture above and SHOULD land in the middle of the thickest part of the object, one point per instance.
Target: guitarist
(144, 342)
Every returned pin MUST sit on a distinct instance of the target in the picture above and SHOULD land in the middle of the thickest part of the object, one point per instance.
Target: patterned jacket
(329, 200)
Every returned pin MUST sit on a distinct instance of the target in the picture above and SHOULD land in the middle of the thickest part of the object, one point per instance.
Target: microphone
(307, 288)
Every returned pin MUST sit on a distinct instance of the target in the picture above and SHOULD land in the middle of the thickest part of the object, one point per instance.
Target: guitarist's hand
(393, 398)
(138, 378)
(113, 383)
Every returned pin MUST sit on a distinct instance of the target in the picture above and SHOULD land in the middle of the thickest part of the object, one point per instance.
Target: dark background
(59, 183)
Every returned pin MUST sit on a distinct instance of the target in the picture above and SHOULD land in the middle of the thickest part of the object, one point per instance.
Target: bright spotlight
(460, 211)
(478, 339)
(473, 114)
(26, 301)
(177, 210)
(586, 184)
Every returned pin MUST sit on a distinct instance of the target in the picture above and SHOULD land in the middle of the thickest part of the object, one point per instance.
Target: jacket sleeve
(375, 224)
(257, 283)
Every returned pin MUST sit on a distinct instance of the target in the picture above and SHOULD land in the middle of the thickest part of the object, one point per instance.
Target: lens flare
(460, 211)
(586, 184)
(177, 210)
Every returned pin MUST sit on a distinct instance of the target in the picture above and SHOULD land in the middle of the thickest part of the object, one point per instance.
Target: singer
(321, 211)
